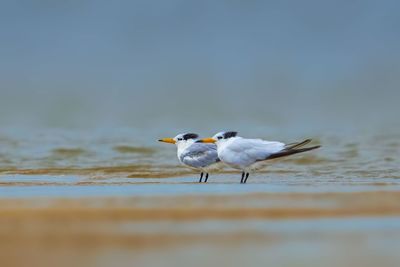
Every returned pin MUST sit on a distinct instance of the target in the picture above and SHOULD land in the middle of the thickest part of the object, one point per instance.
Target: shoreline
(100, 221)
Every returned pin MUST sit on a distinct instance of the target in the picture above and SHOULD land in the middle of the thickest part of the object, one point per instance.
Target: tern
(250, 154)
(198, 156)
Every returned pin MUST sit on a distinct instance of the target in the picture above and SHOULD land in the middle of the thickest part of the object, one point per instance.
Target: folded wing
(248, 151)
(200, 155)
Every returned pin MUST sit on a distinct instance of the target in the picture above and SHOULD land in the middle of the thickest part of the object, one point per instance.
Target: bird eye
(180, 139)
(219, 137)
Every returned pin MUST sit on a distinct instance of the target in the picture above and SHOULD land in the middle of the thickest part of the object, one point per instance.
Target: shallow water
(120, 198)
(26, 186)
(136, 154)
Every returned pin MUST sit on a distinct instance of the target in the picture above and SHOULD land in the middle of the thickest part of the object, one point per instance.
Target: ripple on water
(125, 157)
(68, 152)
(125, 149)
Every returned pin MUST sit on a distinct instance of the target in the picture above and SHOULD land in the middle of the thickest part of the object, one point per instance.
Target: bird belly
(191, 167)
(200, 165)
(234, 160)
(257, 166)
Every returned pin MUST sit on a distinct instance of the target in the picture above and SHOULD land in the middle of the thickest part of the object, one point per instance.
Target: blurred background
(88, 87)
(304, 66)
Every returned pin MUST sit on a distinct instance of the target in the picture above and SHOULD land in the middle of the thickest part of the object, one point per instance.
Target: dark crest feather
(190, 136)
(229, 134)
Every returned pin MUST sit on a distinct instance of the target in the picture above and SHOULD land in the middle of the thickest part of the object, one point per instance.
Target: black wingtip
(297, 145)
(289, 152)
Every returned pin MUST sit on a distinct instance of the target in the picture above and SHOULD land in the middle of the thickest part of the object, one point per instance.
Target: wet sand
(281, 221)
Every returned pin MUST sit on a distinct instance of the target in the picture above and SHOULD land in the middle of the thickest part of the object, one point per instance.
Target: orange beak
(207, 140)
(167, 140)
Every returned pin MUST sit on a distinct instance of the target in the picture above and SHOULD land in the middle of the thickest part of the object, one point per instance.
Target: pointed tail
(291, 151)
(297, 145)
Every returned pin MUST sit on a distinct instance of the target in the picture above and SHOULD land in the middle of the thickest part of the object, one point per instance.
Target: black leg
(241, 180)
(201, 177)
(247, 176)
(206, 177)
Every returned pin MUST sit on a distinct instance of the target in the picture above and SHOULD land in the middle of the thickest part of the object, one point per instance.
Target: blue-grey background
(323, 66)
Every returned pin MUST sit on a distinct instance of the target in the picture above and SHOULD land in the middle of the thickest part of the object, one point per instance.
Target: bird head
(181, 139)
(219, 137)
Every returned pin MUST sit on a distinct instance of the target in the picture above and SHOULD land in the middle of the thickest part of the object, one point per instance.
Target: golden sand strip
(181, 208)
(137, 240)
(192, 214)
(79, 231)
(130, 171)
(133, 171)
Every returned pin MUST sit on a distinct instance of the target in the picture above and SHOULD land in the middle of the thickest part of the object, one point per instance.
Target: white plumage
(250, 154)
(241, 153)
(199, 156)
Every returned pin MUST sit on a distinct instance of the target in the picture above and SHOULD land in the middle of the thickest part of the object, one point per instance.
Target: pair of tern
(244, 154)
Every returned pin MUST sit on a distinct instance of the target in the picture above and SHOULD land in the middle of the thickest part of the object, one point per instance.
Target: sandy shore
(205, 207)
(319, 228)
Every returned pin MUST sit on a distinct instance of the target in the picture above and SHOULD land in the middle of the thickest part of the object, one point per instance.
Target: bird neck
(222, 144)
(182, 146)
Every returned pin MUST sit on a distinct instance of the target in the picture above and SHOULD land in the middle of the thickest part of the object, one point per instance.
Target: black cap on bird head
(188, 136)
(229, 134)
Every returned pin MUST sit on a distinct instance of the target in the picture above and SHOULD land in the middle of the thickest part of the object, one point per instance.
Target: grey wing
(200, 155)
